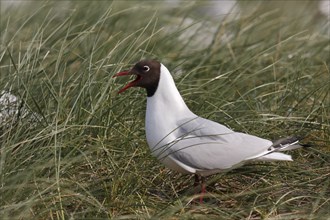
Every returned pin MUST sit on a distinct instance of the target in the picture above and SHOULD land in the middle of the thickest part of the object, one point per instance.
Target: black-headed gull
(187, 143)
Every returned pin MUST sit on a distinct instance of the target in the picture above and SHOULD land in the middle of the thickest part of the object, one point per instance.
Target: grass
(85, 155)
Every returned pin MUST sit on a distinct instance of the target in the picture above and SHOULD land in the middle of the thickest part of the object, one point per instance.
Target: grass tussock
(82, 152)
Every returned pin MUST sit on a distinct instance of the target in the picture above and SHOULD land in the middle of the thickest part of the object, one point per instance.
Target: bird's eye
(146, 68)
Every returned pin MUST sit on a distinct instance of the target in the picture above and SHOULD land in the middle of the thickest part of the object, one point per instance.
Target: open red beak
(130, 84)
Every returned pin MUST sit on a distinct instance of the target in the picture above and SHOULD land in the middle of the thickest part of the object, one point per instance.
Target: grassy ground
(85, 155)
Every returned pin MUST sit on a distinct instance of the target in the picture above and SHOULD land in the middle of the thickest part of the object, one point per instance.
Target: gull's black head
(147, 76)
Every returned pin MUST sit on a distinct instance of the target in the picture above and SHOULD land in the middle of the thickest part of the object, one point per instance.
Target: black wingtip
(306, 145)
(302, 137)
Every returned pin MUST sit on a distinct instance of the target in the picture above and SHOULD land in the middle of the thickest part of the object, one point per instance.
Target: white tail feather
(275, 156)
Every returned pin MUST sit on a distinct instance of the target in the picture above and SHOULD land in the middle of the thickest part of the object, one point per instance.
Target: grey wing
(207, 145)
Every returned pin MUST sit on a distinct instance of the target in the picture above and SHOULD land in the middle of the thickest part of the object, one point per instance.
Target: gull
(189, 144)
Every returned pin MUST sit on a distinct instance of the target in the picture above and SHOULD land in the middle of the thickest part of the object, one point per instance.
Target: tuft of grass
(265, 72)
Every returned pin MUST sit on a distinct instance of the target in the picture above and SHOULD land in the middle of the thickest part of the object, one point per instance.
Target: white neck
(164, 109)
(167, 96)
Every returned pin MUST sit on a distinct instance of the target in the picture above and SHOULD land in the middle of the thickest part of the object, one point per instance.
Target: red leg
(203, 190)
(196, 184)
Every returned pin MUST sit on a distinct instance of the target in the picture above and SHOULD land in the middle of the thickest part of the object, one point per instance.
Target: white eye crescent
(146, 68)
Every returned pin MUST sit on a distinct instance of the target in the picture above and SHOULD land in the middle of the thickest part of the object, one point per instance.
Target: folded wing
(207, 145)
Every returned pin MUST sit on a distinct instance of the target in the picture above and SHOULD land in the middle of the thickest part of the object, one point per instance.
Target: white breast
(164, 109)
